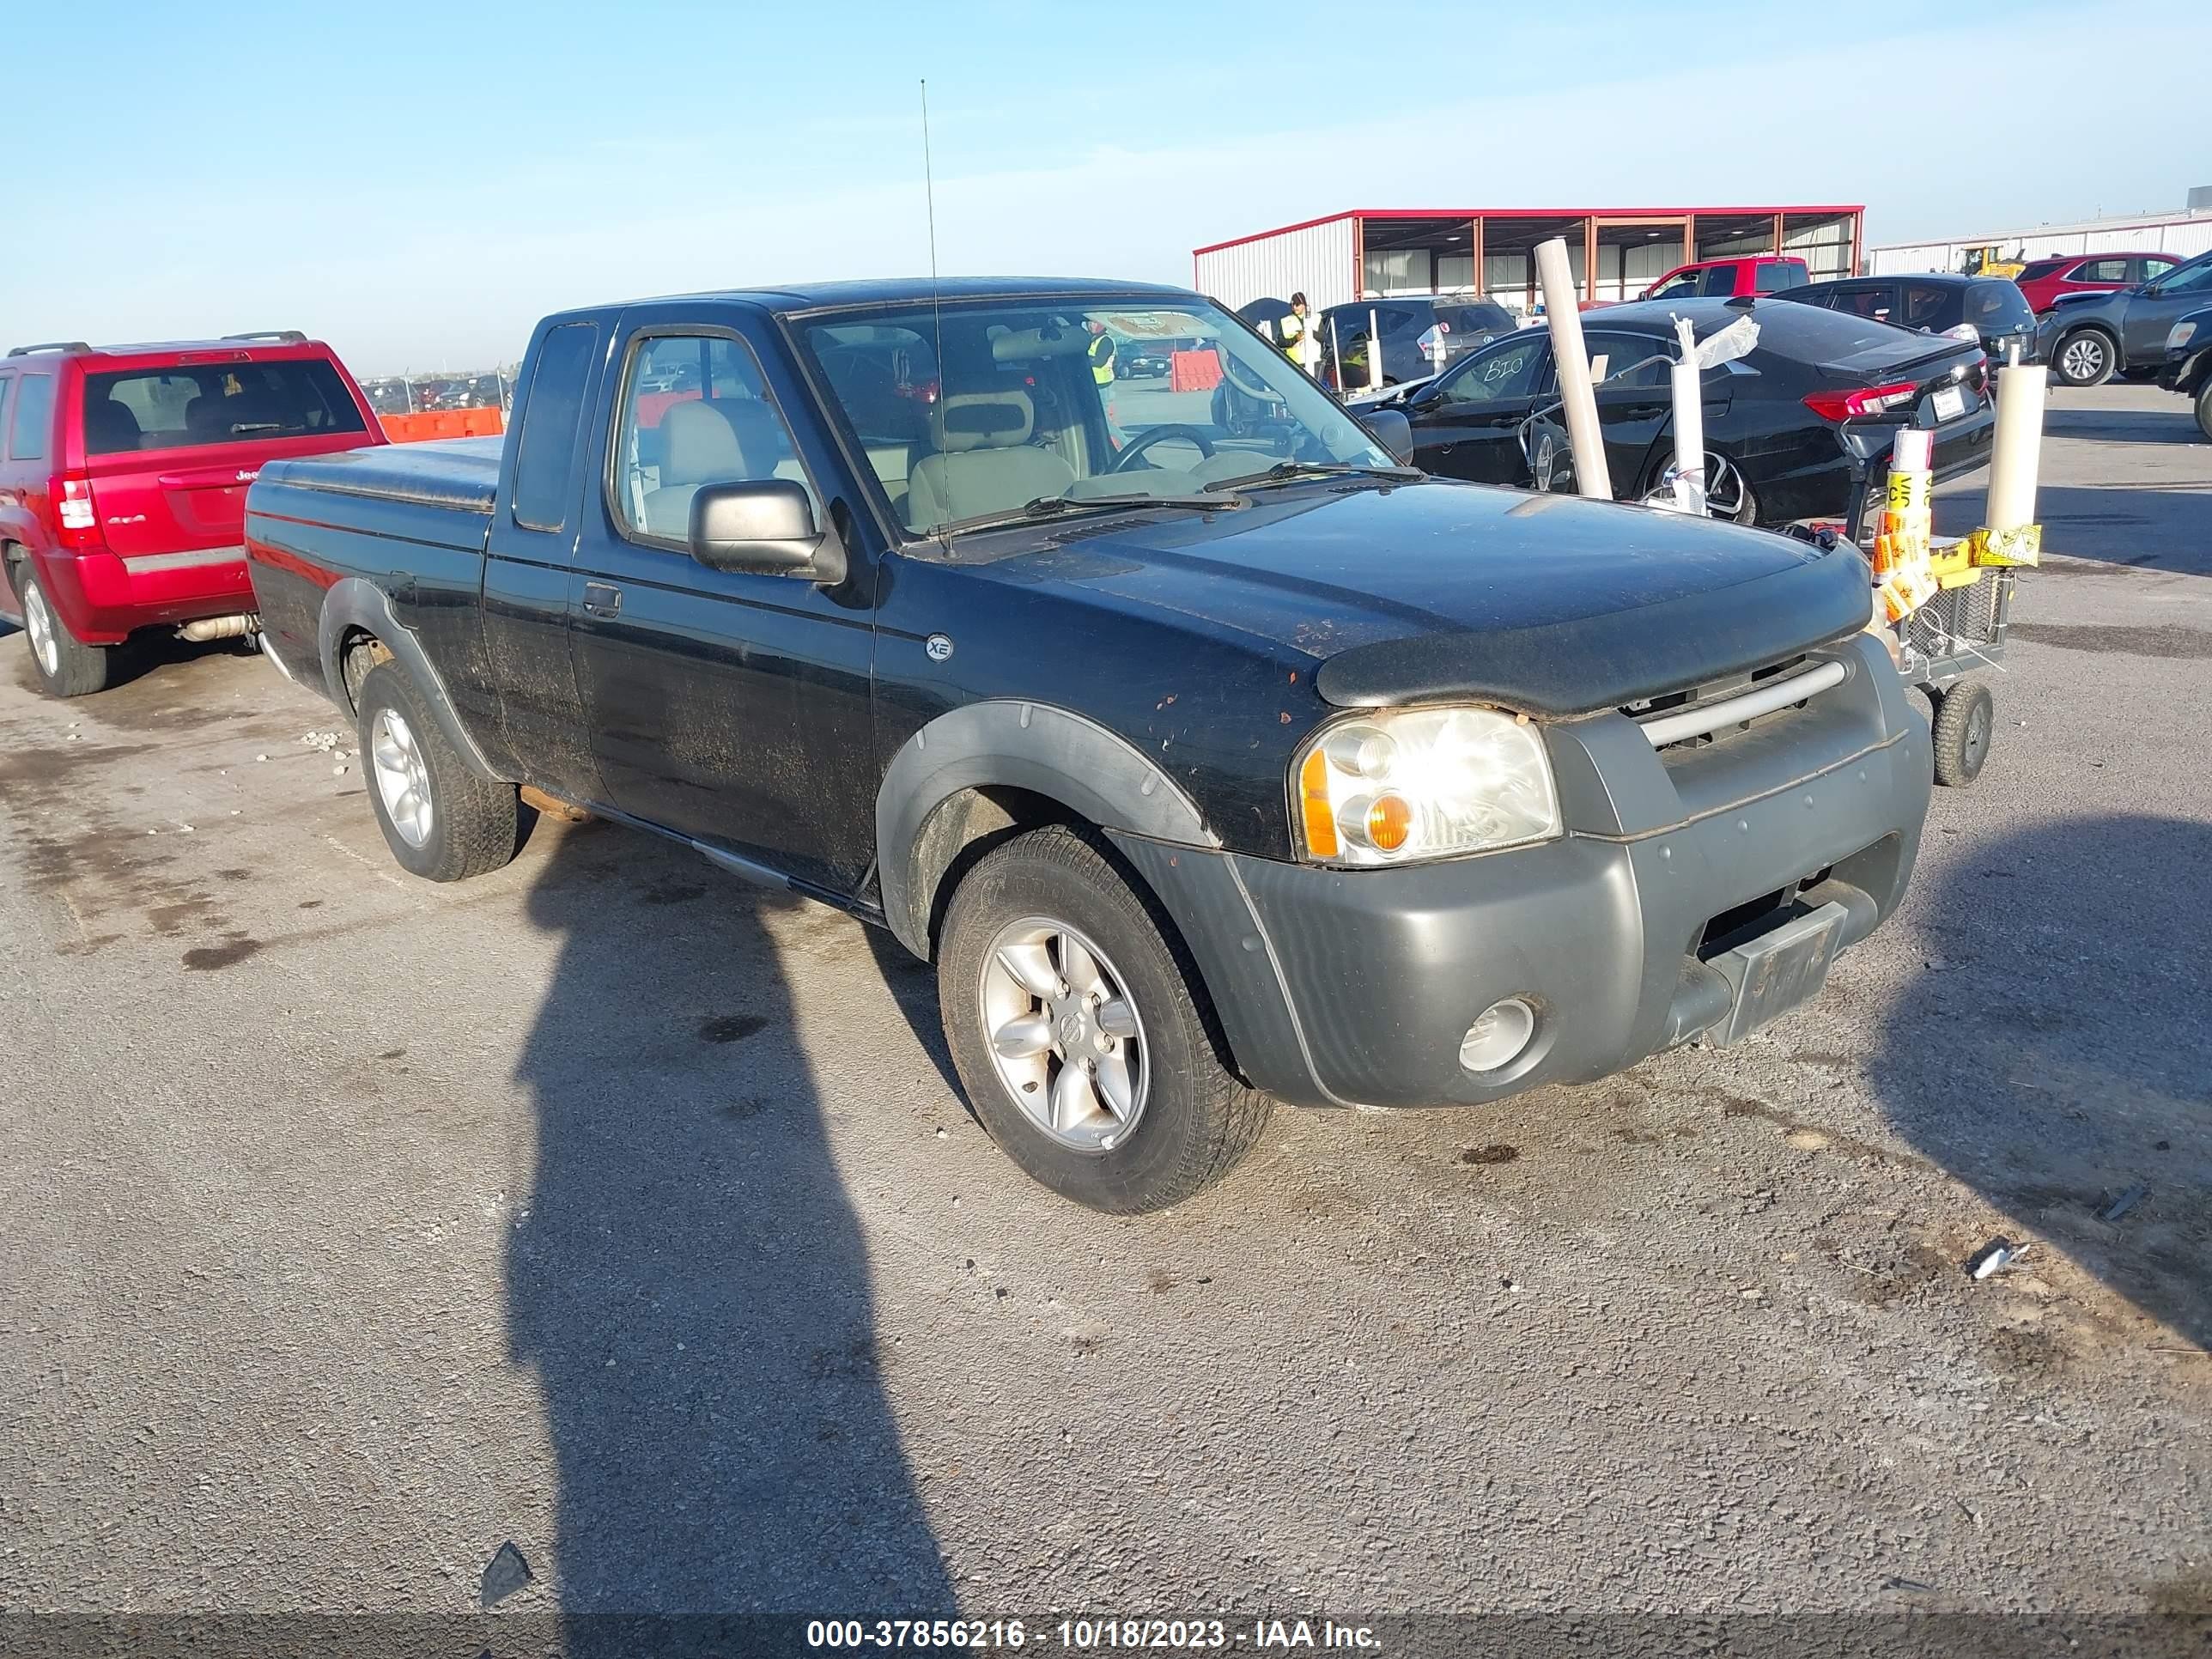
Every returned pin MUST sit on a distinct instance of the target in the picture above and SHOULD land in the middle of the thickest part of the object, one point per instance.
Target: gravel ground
(356, 1227)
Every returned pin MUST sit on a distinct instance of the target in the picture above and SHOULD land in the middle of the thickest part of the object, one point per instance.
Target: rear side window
(1625, 358)
(1930, 306)
(1999, 305)
(1719, 282)
(2036, 270)
(1877, 302)
(2101, 270)
(1779, 278)
(33, 414)
(188, 406)
(546, 436)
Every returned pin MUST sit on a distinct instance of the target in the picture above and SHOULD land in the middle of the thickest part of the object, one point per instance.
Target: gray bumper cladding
(1703, 889)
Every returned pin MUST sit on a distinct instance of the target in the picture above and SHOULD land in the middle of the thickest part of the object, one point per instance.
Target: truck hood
(1548, 604)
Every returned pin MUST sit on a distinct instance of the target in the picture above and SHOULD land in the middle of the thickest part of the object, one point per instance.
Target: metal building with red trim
(1365, 253)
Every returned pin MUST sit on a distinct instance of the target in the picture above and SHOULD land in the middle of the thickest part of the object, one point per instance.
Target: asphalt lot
(356, 1226)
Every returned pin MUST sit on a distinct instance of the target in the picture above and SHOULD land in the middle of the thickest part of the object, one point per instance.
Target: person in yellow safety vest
(1291, 331)
(1101, 353)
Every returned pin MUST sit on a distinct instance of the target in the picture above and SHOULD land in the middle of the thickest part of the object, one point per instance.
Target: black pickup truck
(1209, 769)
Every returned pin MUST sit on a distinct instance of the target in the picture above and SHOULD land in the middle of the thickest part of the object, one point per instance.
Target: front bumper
(1356, 987)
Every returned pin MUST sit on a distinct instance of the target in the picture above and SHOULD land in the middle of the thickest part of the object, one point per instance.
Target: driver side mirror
(764, 528)
(1393, 431)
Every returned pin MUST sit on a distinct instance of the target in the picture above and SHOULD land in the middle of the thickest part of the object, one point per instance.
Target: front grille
(1693, 697)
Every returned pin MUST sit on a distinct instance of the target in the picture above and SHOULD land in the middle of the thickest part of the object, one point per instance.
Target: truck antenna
(936, 306)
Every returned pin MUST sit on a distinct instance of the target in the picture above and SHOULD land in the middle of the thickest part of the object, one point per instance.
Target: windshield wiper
(1282, 470)
(1045, 506)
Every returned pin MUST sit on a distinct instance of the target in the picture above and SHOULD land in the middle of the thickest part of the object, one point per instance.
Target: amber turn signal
(1314, 806)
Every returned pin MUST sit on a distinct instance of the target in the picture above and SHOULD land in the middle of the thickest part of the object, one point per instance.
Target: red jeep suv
(123, 478)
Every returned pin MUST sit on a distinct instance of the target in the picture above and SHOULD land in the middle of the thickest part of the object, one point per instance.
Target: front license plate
(1950, 402)
(1776, 971)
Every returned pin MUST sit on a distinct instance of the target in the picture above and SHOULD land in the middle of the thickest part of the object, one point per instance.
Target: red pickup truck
(123, 480)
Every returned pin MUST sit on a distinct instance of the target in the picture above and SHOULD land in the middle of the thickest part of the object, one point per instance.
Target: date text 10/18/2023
(1087, 1634)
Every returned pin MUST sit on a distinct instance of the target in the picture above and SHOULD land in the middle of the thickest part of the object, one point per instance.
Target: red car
(123, 483)
(1726, 279)
(2042, 281)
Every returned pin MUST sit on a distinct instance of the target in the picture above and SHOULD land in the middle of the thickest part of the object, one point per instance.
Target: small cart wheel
(1966, 719)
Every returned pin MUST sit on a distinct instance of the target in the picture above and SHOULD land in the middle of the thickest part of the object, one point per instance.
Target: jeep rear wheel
(67, 666)
(1080, 1031)
(441, 821)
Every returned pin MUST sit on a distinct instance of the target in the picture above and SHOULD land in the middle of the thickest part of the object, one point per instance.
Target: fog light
(1498, 1035)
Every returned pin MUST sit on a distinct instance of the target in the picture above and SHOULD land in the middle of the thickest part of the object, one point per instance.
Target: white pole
(1374, 352)
(1336, 357)
(2017, 449)
(1689, 424)
(1572, 361)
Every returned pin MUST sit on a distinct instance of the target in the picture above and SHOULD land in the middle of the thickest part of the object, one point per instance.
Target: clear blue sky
(418, 183)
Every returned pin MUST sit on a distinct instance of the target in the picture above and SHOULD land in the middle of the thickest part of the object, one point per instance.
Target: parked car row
(1799, 429)
(2088, 338)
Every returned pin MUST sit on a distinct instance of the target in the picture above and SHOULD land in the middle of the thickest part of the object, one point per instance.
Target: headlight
(1422, 783)
(2179, 336)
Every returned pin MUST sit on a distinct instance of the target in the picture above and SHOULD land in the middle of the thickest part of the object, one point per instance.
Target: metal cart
(1940, 648)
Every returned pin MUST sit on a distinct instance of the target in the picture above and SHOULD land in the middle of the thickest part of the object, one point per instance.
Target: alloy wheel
(1065, 1035)
(402, 779)
(39, 622)
(2083, 359)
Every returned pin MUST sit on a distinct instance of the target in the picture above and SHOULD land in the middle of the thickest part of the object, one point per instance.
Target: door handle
(602, 600)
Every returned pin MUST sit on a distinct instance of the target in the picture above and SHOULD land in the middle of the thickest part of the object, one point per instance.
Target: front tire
(2086, 357)
(1966, 720)
(2205, 407)
(1080, 1030)
(67, 666)
(441, 821)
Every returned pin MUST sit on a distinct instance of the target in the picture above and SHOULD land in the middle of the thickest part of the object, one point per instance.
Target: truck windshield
(1074, 403)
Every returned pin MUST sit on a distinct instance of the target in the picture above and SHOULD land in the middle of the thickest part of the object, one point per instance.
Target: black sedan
(1989, 310)
(1798, 428)
(2090, 337)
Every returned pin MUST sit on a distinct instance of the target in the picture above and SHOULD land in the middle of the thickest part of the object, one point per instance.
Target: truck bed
(411, 521)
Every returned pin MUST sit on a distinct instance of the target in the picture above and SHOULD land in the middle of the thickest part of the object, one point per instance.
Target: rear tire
(1183, 1119)
(1966, 720)
(2086, 357)
(441, 821)
(67, 666)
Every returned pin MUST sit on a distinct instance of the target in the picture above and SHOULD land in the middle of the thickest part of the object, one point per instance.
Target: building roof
(2145, 221)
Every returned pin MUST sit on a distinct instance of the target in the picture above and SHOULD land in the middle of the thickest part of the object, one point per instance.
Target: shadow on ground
(2173, 424)
(2147, 523)
(689, 1282)
(2054, 1077)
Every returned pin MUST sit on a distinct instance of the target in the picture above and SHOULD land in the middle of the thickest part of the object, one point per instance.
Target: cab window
(695, 411)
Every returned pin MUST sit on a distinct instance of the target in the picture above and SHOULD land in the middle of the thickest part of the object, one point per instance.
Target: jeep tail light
(1855, 405)
(80, 524)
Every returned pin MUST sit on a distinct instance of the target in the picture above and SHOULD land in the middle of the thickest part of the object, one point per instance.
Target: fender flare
(356, 602)
(1034, 746)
